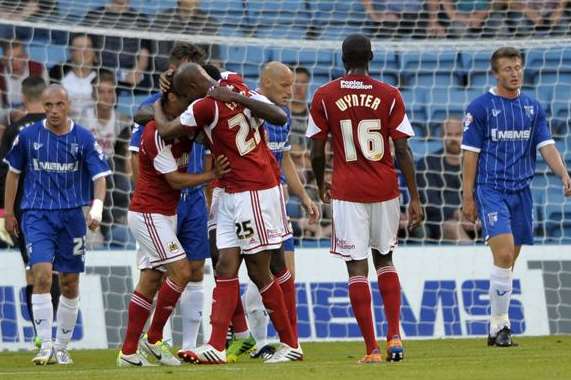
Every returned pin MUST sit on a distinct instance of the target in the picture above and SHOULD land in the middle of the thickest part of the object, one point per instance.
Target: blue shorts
(506, 213)
(288, 245)
(192, 225)
(56, 236)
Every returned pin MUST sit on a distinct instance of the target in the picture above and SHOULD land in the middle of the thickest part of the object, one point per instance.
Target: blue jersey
(278, 139)
(506, 133)
(195, 165)
(137, 131)
(58, 170)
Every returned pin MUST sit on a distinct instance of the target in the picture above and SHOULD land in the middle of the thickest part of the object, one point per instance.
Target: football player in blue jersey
(503, 129)
(64, 170)
(276, 81)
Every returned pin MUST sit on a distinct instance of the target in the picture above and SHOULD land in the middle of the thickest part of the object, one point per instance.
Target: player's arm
(179, 180)
(261, 109)
(10, 191)
(472, 140)
(553, 158)
(167, 129)
(95, 213)
(296, 187)
(318, 165)
(406, 165)
(469, 168)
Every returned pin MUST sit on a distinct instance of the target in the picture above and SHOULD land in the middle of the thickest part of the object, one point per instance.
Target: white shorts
(213, 213)
(254, 221)
(360, 226)
(156, 235)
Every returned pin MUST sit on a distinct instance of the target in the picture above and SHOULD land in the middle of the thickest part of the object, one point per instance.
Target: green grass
(535, 358)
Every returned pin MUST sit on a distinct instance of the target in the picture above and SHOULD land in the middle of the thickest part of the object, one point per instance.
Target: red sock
(285, 279)
(360, 296)
(139, 310)
(169, 293)
(389, 286)
(273, 299)
(225, 296)
(239, 324)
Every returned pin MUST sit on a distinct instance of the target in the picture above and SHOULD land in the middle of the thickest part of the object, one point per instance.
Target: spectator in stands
(14, 68)
(439, 182)
(131, 57)
(538, 16)
(394, 18)
(112, 132)
(186, 17)
(472, 17)
(298, 104)
(77, 74)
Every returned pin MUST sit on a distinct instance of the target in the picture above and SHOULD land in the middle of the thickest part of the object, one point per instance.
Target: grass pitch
(535, 358)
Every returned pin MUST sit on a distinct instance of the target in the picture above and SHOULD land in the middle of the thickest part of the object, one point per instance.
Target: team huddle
(207, 132)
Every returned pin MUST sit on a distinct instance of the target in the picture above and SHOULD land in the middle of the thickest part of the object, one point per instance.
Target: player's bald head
(55, 90)
(276, 81)
(357, 51)
(274, 70)
(191, 80)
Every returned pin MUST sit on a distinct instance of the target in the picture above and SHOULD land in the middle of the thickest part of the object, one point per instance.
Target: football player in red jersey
(251, 219)
(152, 219)
(362, 114)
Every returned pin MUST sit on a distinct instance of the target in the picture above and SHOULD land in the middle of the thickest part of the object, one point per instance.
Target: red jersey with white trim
(157, 157)
(235, 133)
(361, 114)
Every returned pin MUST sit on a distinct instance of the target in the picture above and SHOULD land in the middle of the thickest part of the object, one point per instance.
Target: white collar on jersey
(70, 129)
(494, 91)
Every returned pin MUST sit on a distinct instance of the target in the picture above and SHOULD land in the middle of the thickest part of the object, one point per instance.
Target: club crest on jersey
(74, 149)
(492, 218)
(496, 112)
(467, 121)
(172, 246)
(529, 111)
(37, 146)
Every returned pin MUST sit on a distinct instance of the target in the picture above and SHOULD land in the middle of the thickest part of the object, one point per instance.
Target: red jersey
(238, 135)
(361, 113)
(157, 157)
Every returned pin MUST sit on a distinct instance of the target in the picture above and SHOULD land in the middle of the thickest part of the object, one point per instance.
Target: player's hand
(165, 80)
(566, 185)
(221, 166)
(311, 208)
(469, 209)
(92, 223)
(222, 93)
(415, 214)
(325, 193)
(12, 225)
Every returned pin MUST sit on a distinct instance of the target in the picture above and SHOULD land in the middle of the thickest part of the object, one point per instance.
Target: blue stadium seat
(278, 12)
(481, 79)
(421, 147)
(319, 62)
(337, 12)
(49, 55)
(245, 60)
(475, 60)
(431, 79)
(289, 32)
(337, 32)
(415, 105)
(430, 69)
(76, 10)
(152, 7)
(442, 103)
(128, 104)
(227, 12)
(560, 103)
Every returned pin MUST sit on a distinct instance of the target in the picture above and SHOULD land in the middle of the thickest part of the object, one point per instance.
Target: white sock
(500, 295)
(191, 305)
(43, 316)
(66, 318)
(258, 318)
